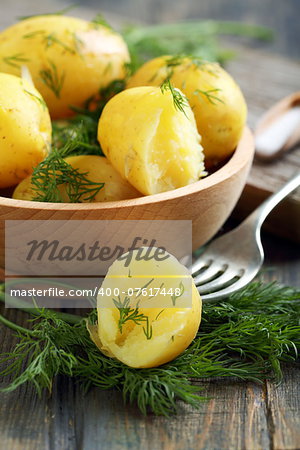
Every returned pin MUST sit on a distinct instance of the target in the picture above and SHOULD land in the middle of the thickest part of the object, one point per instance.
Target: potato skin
(25, 129)
(220, 115)
(69, 59)
(98, 170)
(155, 146)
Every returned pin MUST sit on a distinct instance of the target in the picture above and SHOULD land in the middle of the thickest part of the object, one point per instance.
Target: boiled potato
(149, 141)
(25, 129)
(165, 328)
(24, 190)
(69, 59)
(98, 170)
(216, 100)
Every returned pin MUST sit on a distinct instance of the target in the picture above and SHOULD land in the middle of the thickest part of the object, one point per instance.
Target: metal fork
(231, 261)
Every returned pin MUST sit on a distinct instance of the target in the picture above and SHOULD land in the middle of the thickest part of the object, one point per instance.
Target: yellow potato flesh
(98, 170)
(173, 328)
(25, 129)
(155, 146)
(217, 101)
(69, 59)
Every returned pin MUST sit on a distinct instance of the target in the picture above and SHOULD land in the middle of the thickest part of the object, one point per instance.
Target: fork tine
(213, 271)
(228, 290)
(215, 296)
(227, 278)
(199, 265)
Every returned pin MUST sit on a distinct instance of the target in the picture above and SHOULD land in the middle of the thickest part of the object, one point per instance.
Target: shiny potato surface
(69, 59)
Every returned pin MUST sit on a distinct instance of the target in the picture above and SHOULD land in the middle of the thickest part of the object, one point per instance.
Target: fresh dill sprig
(52, 79)
(179, 99)
(54, 173)
(247, 336)
(191, 38)
(82, 130)
(15, 60)
(94, 105)
(54, 180)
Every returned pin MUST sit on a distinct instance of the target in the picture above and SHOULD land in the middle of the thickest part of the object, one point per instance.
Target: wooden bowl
(208, 202)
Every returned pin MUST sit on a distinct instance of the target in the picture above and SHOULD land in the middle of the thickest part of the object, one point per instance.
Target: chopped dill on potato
(132, 314)
(51, 39)
(40, 100)
(210, 95)
(15, 60)
(179, 99)
(51, 79)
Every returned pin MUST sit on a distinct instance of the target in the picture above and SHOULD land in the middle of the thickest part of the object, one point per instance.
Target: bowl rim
(241, 156)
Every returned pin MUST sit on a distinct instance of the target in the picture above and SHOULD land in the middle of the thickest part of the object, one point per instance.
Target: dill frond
(15, 60)
(51, 39)
(179, 99)
(38, 99)
(210, 95)
(52, 79)
(132, 314)
(54, 179)
(247, 336)
(187, 38)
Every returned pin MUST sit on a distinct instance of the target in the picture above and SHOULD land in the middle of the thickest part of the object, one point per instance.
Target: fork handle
(258, 216)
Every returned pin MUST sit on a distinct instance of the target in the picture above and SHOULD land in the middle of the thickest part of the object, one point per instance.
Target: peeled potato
(217, 101)
(25, 129)
(149, 141)
(168, 330)
(98, 170)
(69, 59)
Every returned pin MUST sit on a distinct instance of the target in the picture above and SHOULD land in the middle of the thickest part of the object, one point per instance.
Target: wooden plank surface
(265, 79)
(283, 407)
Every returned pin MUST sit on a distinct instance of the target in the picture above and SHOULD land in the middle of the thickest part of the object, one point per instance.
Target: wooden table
(239, 415)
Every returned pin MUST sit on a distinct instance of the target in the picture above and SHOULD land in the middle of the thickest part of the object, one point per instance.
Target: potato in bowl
(98, 170)
(217, 102)
(166, 171)
(69, 59)
(149, 135)
(207, 203)
(25, 129)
